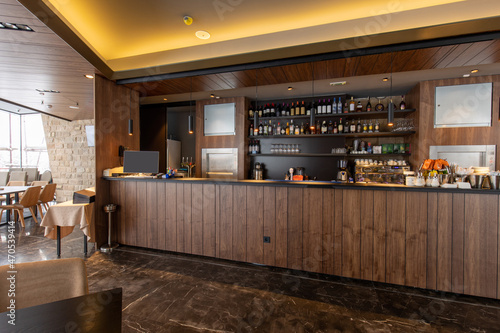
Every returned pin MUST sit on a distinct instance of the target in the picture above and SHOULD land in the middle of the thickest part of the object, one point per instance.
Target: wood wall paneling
(281, 227)
(239, 223)
(161, 189)
(457, 250)
(432, 240)
(380, 235)
(481, 244)
(131, 213)
(338, 228)
(152, 222)
(312, 230)
(366, 206)
(197, 219)
(180, 232)
(209, 218)
(351, 234)
(171, 217)
(416, 239)
(255, 223)
(444, 241)
(395, 245)
(225, 221)
(141, 219)
(294, 229)
(328, 231)
(270, 221)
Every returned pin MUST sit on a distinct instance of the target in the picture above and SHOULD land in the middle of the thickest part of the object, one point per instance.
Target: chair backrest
(16, 183)
(39, 183)
(32, 174)
(15, 169)
(18, 175)
(30, 197)
(43, 282)
(4, 178)
(47, 194)
(46, 176)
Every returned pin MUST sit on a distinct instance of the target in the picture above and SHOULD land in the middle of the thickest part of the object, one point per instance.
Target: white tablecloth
(68, 215)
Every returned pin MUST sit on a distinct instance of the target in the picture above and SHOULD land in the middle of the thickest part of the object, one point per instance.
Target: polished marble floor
(166, 292)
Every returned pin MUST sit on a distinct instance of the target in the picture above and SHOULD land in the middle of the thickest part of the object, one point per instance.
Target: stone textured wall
(72, 161)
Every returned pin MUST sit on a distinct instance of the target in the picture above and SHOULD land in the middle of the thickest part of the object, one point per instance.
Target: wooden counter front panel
(442, 241)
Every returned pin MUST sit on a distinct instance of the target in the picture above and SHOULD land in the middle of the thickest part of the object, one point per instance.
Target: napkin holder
(83, 197)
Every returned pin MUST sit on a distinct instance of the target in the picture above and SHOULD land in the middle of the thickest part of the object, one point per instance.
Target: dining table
(7, 191)
(96, 312)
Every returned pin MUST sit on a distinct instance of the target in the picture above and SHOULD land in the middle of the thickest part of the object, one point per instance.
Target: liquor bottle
(353, 127)
(297, 130)
(319, 107)
(359, 127)
(287, 130)
(302, 109)
(377, 127)
(370, 127)
(346, 127)
(330, 127)
(267, 110)
(368, 105)
(335, 128)
(278, 110)
(261, 128)
(323, 107)
(334, 105)
(379, 107)
(346, 106)
(273, 110)
(297, 109)
(402, 105)
(292, 128)
(265, 129)
(271, 128)
(278, 129)
(307, 130)
(288, 110)
(339, 105)
(365, 127)
(283, 129)
(292, 110)
(329, 106)
(260, 111)
(257, 146)
(250, 111)
(318, 127)
(340, 128)
(308, 110)
(302, 129)
(352, 105)
(324, 127)
(250, 133)
(359, 107)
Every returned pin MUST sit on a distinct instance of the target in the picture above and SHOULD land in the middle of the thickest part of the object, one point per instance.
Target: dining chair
(45, 281)
(18, 176)
(47, 176)
(31, 174)
(16, 183)
(4, 178)
(29, 200)
(46, 196)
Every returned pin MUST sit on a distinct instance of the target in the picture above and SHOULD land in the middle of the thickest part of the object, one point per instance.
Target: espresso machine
(343, 174)
(258, 171)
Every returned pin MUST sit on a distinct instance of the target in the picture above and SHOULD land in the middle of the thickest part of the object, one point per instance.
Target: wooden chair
(46, 196)
(43, 282)
(14, 183)
(39, 183)
(29, 200)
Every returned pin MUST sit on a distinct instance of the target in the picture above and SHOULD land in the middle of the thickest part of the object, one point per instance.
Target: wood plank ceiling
(451, 56)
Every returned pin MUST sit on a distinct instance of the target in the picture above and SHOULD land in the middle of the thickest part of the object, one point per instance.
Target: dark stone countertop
(308, 184)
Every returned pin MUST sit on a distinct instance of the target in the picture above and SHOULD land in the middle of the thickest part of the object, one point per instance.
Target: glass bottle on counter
(346, 106)
(297, 130)
(302, 128)
(339, 105)
(368, 105)
(365, 127)
(273, 110)
(292, 110)
(292, 128)
(265, 129)
(260, 111)
(329, 106)
(340, 128)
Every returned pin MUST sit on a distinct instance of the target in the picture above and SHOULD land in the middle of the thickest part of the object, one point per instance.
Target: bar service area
(400, 189)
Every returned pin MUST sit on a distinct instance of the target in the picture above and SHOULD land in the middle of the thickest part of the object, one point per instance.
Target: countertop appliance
(466, 155)
(219, 163)
(343, 173)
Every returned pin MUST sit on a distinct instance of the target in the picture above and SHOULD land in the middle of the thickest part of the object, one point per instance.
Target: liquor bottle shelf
(347, 135)
(331, 155)
(348, 115)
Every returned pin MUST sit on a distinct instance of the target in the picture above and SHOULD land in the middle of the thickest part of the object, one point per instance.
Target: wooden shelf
(349, 115)
(331, 155)
(347, 135)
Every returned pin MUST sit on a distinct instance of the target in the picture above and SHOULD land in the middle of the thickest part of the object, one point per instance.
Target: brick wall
(72, 162)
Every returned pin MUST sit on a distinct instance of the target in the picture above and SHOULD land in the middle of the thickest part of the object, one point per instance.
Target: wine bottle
(265, 129)
(283, 129)
(353, 127)
(302, 109)
(330, 127)
(273, 110)
(250, 111)
(318, 127)
(340, 128)
(359, 128)
(335, 128)
(329, 106)
(352, 105)
(278, 129)
(250, 133)
(261, 128)
(292, 128)
(323, 107)
(346, 127)
(324, 128)
(297, 130)
(288, 110)
(368, 105)
(271, 128)
(292, 110)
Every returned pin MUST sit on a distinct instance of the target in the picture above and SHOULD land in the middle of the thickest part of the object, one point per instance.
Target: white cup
(410, 181)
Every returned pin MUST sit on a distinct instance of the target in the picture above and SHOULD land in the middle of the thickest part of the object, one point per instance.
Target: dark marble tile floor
(168, 292)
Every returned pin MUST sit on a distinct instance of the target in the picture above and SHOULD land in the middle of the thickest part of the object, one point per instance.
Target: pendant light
(390, 109)
(256, 112)
(190, 117)
(312, 116)
(130, 120)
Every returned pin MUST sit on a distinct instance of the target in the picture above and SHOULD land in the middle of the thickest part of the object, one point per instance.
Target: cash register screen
(140, 161)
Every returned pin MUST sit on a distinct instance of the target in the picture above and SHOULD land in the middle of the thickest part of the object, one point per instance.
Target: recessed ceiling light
(466, 75)
(89, 76)
(188, 20)
(290, 88)
(474, 71)
(15, 26)
(165, 99)
(202, 34)
(212, 96)
(385, 79)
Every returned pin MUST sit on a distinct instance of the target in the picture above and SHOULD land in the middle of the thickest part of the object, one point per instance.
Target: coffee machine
(343, 174)
(258, 171)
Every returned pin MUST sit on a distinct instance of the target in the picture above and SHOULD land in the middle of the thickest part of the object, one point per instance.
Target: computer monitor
(140, 161)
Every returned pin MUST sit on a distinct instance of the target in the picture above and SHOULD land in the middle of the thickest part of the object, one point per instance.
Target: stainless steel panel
(466, 155)
(219, 163)
(466, 105)
(219, 119)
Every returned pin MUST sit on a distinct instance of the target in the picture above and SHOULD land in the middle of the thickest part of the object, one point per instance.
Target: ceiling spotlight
(165, 99)
(188, 20)
(89, 76)
(10, 26)
(290, 88)
(474, 71)
(202, 34)
(217, 97)
(466, 75)
(212, 96)
(385, 79)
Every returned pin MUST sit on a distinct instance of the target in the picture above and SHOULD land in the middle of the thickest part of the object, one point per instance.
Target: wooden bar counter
(433, 238)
